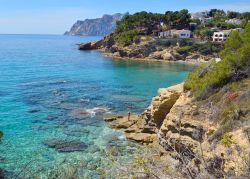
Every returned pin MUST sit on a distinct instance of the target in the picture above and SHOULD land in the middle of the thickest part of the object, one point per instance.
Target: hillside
(172, 36)
(95, 27)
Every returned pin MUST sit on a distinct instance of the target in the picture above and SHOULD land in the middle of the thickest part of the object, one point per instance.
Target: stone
(117, 54)
(121, 122)
(65, 145)
(141, 137)
(110, 119)
(85, 46)
(34, 110)
(168, 56)
(156, 55)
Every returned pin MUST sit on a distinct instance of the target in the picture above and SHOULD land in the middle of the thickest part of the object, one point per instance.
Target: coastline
(114, 57)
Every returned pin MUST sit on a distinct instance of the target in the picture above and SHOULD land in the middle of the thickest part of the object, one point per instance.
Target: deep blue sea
(51, 90)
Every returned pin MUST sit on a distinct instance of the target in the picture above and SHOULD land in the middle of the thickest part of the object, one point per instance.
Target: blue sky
(57, 16)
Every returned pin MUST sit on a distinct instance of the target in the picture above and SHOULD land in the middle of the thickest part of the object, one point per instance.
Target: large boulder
(168, 56)
(156, 55)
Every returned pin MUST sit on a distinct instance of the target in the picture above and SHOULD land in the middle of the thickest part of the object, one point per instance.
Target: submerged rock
(1, 174)
(77, 132)
(34, 110)
(66, 146)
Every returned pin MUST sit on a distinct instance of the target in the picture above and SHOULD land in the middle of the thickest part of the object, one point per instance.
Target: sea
(53, 98)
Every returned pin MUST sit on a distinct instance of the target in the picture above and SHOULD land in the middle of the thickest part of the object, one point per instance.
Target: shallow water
(50, 90)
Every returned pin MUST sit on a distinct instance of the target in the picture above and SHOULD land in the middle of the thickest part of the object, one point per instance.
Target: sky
(57, 16)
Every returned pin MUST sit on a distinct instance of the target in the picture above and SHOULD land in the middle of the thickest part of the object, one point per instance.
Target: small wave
(81, 113)
(97, 111)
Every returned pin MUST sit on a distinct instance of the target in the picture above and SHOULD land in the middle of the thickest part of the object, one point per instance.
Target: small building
(183, 34)
(205, 19)
(221, 36)
(233, 21)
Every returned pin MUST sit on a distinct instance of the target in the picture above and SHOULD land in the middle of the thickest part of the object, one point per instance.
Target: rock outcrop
(193, 132)
(144, 128)
(161, 105)
(95, 27)
(90, 45)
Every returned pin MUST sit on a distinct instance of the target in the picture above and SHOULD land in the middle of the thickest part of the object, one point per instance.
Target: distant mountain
(95, 27)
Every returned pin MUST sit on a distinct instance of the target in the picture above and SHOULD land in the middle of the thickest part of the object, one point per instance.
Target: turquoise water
(50, 90)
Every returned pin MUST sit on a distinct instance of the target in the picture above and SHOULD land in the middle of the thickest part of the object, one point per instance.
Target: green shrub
(227, 140)
(209, 48)
(128, 37)
(184, 50)
(146, 38)
(186, 42)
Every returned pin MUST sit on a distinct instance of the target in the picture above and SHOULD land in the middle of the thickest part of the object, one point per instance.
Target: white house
(202, 16)
(223, 35)
(183, 34)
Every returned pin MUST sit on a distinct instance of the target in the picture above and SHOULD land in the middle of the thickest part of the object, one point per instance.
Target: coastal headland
(201, 124)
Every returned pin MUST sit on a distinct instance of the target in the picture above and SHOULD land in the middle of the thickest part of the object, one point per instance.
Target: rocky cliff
(95, 27)
(195, 133)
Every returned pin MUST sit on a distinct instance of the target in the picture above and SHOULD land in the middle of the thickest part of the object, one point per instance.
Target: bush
(128, 37)
(186, 42)
(146, 38)
(184, 50)
(209, 48)
(204, 49)
(227, 140)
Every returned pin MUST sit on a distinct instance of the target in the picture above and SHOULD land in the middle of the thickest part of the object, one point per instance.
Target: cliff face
(208, 138)
(95, 27)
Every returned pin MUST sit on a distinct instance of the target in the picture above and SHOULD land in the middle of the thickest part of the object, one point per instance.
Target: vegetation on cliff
(234, 66)
(187, 46)
(146, 23)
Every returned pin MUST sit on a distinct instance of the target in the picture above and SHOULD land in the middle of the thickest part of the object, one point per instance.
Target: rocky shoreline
(184, 130)
(144, 51)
